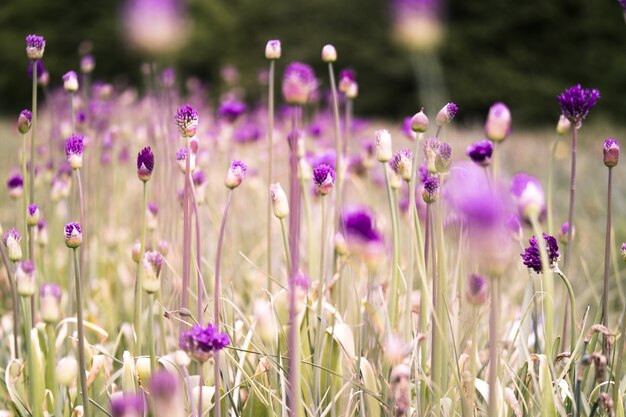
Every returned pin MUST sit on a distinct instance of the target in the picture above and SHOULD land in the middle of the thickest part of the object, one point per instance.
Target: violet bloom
(198, 178)
(187, 120)
(42, 74)
(15, 184)
(33, 215)
(477, 290)
(73, 235)
(622, 3)
(360, 234)
(74, 151)
(324, 178)
(24, 121)
(35, 46)
(145, 164)
(299, 83)
(417, 24)
(577, 101)
(431, 190)
(235, 175)
(127, 405)
(446, 114)
(163, 385)
(181, 159)
(480, 152)
(528, 194)
(402, 164)
(200, 342)
(513, 225)
(155, 26)
(231, 110)
(407, 128)
(611, 152)
(498, 124)
(247, 133)
(70, 81)
(532, 256)
(347, 84)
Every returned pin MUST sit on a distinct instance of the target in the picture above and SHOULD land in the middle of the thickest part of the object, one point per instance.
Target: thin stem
(494, 315)
(139, 277)
(153, 364)
(199, 282)
(216, 303)
(15, 306)
(572, 192)
(320, 309)
(51, 360)
(607, 251)
(338, 148)
(551, 185)
(548, 285)
(30, 355)
(393, 296)
(286, 245)
(572, 305)
(186, 229)
(72, 118)
(348, 126)
(270, 168)
(33, 128)
(24, 195)
(82, 367)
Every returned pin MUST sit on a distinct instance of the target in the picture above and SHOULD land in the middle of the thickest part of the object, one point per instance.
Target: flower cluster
(324, 178)
(402, 164)
(145, 164)
(299, 83)
(74, 151)
(577, 101)
(532, 255)
(200, 342)
(480, 152)
(187, 120)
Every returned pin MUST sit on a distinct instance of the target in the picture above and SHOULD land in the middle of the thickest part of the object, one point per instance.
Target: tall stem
(199, 282)
(51, 360)
(15, 306)
(270, 169)
(607, 251)
(139, 277)
(33, 128)
(551, 185)
(572, 192)
(338, 147)
(320, 309)
(395, 277)
(72, 117)
(548, 287)
(186, 230)
(82, 366)
(24, 196)
(494, 315)
(216, 302)
(153, 364)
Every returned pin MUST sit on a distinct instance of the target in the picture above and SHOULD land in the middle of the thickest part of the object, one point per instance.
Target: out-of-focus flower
(200, 342)
(66, 371)
(446, 114)
(152, 263)
(73, 235)
(187, 120)
(417, 24)
(273, 49)
(32, 215)
(430, 190)
(329, 53)
(622, 250)
(347, 84)
(74, 151)
(87, 64)
(11, 239)
(35, 46)
(299, 83)
(498, 124)
(70, 82)
(145, 164)
(402, 164)
(50, 302)
(360, 234)
(235, 175)
(163, 247)
(563, 125)
(611, 152)
(323, 178)
(15, 184)
(513, 225)
(562, 233)
(231, 109)
(419, 122)
(477, 290)
(528, 194)
(280, 203)
(24, 121)
(25, 278)
(532, 256)
(480, 152)
(181, 159)
(577, 101)
(126, 405)
(384, 152)
(41, 233)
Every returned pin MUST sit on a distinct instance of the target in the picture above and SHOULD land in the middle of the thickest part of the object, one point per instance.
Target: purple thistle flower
(577, 101)
(235, 175)
(431, 190)
(163, 385)
(324, 178)
(187, 120)
(360, 233)
(11, 234)
(15, 181)
(532, 256)
(480, 152)
(611, 152)
(446, 114)
(24, 121)
(11, 239)
(73, 235)
(70, 81)
(74, 151)
(35, 46)
(231, 110)
(528, 194)
(299, 83)
(477, 290)
(402, 164)
(127, 405)
(145, 164)
(200, 342)
(198, 178)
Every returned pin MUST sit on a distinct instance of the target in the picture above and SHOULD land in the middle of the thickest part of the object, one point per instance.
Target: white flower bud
(70, 82)
(383, 145)
(142, 369)
(66, 371)
(280, 204)
(273, 49)
(329, 53)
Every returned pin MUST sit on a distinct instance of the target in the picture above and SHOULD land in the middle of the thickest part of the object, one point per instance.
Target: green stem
(572, 192)
(494, 315)
(51, 360)
(338, 148)
(607, 251)
(309, 222)
(283, 230)
(572, 307)
(35, 402)
(82, 366)
(270, 176)
(24, 196)
(14, 302)
(33, 128)
(393, 295)
(153, 364)
(548, 286)
(139, 276)
(320, 309)
(72, 117)
(551, 185)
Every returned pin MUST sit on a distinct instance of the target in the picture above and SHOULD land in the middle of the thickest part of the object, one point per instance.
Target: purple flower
(35, 46)
(70, 81)
(163, 385)
(577, 101)
(15, 181)
(273, 49)
(181, 158)
(73, 235)
(402, 164)
(477, 290)
(127, 405)
(11, 239)
(532, 256)
(562, 233)
(50, 290)
(431, 190)
(347, 83)
(299, 83)
(153, 208)
(406, 128)
(498, 124)
(11, 234)
(423, 173)
(360, 233)
(200, 342)
(41, 70)
(235, 175)
(324, 178)
(74, 151)
(528, 194)
(622, 250)
(446, 114)
(231, 110)
(247, 133)
(480, 152)
(145, 164)
(187, 120)
(24, 121)
(198, 178)
(611, 152)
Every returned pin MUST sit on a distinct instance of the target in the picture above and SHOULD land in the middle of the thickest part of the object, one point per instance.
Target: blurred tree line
(522, 53)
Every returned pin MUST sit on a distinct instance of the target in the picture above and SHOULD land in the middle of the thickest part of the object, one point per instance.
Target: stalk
(286, 245)
(72, 117)
(572, 192)
(270, 168)
(139, 277)
(320, 302)
(435, 354)
(35, 402)
(153, 364)
(550, 185)
(572, 305)
(442, 276)
(395, 277)
(199, 282)
(338, 148)
(607, 251)
(51, 362)
(33, 128)
(81, 336)
(494, 315)
(15, 306)
(548, 285)
(216, 304)
(186, 230)
(24, 197)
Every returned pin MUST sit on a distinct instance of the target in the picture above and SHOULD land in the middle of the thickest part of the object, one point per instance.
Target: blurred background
(405, 53)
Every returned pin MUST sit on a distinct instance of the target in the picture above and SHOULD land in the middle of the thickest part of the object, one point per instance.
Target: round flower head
(145, 164)
(127, 405)
(163, 385)
(324, 178)
(532, 257)
(419, 122)
(611, 152)
(431, 190)
(50, 302)
(280, 203)
(200, 342)
(402, 164)
(35, 46)
(235, 175)
(329, 53)
(74, 151)
(480, 152)
(87, 64)
(477, 290)
(576, 102)
(446, 114)
(70, 82)
(32, 215)
(383, 145)
(347, 84)
(431, 148)
(231, 109)
(528, 194)
(15, 184)
(181, 159)
(73, 235)
(24, 121)
(25, 278)
(407, 130)
(152, 263)
(498, 124)
(299, 83)
(562, 233)
(563, 126)
(272, 49)
(163, 247)
(11, 239)
(443, 157)
(187, 120)
(360, 234)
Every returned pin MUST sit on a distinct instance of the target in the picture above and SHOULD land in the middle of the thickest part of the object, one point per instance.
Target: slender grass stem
(199, 282)
(35, 402)
(338, 148)
(607, 250)
(33, 129)
(320, 305)
(151, 343)
(14, 302)
(186, 229)
(25, 198)
(286, 245)
(270, 168)
(572, 305)
(72, 117)
(82, 366)
(139, 277)
(51, 360)
(548, 285)
(572, 195)
(494, 360)
(395, 277)
(549, 193)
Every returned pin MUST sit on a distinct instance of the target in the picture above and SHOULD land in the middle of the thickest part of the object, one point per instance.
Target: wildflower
(419, 122)
(563, 125)
(446, 114)
(235, 175)
(25, 278)
(329, 53)
(360, 234)
(402, 164)
(66, 371)
(163, 385)
(611, 152)
(576, 102)
(11, 239)
(324, 178)
(70, 82)
(347, 83)
(431, 147)
(15, 183)
(50, 302)
(498, 124)
(74, 151)
(187, 120)
(532, 257)
(145, 164)
(126, 405)
(200, 342)
(528, 194)
(41, 233)
(24, 121)
(32, 215)
(430, 191)
(480, 152)
(477, 291)
(181, 159)
(280, 204)
(273, 49)
(299, 83)
(152, 263)
(73, 235)
(563, 231)
(231, 109)
(35, 46)
(383, 145)
(443, 157)
(87, 64)
(163, 247)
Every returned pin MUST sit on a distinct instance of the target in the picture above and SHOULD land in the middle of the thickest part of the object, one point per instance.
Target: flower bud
(142, 369)
(24, 121)
(32, 215)
(528, 194)
(329, 54)
(477, 290)
(235, 175)
(66, 371)
(266, 322)
(611, 152)
(280, 204)
(446, 114)
(50, 303)
(498, 125)
(324, 178)
(135, 252)
(187, 120)
(163, 247)
(152, 263)
(73, 235)
(347, 84)
(35, 46)
(273, 49)
(341, 247)
(562, 233)
(152, 211)
(41, 233)
(74, 151)
(11, 240)
(15, 184)
(70, 82)
(419, 122)
(25, 278)
(383, 146)
(145, 164)
(305, 172)
(299, 83)
(402, 164)
(443, 157)
(563, 126)
(430, 191)
(431, 148)
(87, 64)
(395, 350)
(181, 159)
